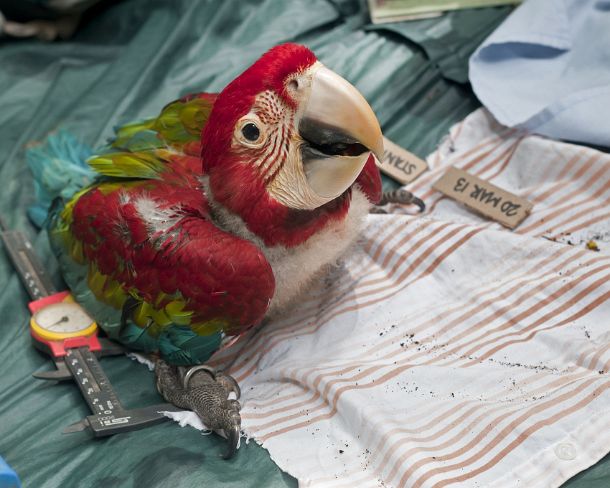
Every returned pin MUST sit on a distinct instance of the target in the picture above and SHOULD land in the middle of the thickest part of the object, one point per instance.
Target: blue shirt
(547, 69)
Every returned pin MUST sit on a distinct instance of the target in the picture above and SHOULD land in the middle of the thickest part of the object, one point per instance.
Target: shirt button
(565, 451)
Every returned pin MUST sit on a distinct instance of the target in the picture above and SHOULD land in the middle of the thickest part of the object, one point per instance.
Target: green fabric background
(128, 59)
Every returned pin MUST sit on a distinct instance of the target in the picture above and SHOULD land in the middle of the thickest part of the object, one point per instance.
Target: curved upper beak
(339, 132)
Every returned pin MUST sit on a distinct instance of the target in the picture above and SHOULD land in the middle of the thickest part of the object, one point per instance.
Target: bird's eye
(250, 132)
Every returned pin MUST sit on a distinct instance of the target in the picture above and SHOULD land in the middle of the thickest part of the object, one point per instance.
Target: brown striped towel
(446, 350)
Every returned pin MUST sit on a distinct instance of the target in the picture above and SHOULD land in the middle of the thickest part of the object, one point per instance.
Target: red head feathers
(284, 143)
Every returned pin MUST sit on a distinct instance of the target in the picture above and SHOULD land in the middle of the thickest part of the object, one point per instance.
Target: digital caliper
(61, 328)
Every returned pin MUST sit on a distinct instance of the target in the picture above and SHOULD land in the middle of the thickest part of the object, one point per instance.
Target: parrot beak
(339, 132)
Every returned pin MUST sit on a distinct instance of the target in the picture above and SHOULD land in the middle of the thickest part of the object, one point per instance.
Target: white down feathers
(294, 268)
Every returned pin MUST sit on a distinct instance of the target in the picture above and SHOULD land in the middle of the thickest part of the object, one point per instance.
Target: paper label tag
(400, 164)
(483, 197)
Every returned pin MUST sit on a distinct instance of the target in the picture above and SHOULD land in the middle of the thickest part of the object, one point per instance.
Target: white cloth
(446, 350)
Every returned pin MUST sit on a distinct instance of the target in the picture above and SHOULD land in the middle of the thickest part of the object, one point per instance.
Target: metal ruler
(109, 416)
(26, 263)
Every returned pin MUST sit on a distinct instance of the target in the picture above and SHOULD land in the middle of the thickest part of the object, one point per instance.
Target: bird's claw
(206, 392)
(229, 384)
(402, 197)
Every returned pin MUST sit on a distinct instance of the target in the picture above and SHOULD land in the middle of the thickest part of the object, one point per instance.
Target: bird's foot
(400, 196)
(206, 392)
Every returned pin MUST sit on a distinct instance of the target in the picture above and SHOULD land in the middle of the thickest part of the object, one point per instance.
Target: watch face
(63, 318)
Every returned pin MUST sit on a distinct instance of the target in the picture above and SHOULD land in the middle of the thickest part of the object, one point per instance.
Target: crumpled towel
(446, 350)
(546, 69)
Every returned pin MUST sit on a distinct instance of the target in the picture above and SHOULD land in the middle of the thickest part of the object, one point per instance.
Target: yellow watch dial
(61, 321)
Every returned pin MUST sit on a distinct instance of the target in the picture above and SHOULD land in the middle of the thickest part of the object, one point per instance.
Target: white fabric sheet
(446, 350)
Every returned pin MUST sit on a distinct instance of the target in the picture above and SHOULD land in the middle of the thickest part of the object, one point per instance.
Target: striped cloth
(446, 350)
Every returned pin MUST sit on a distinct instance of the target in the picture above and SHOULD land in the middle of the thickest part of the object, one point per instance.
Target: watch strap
(46, 301)
(58, 348)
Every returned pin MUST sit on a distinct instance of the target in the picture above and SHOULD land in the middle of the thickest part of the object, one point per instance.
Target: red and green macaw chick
(218, 213)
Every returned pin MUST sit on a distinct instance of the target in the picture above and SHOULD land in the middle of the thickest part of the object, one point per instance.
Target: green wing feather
(179, 123)
(142, 164)
(141, 149)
